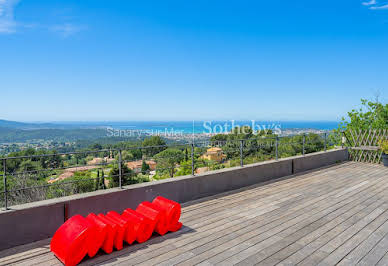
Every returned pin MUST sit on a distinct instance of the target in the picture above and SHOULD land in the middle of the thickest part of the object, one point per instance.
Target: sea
(219, 126)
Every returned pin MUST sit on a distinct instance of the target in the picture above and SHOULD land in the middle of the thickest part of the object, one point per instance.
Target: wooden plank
(23, 252)
(378, 252)
(200, 203)
(279, 191)
(323, 235)
(228, 251)
(149, 254)
(262, 255)
(339, 254)
(343, 216)
(314, 258)
(383, 261)
(163, 255)
(280, 186)
(340, 168)
(364, 248)
(277, 252)
(350, 232)
(366, 148)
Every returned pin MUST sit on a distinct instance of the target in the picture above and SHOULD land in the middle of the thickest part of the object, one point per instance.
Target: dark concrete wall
(318, 159)
(29, 224)
(182, 189)
(39, 220)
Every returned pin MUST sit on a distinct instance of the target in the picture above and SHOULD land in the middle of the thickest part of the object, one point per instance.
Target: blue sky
(183, 60)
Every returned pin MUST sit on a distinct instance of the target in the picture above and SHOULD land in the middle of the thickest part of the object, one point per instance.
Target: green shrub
(384, 146)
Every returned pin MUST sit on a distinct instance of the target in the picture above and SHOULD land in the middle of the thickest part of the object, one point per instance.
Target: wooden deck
(334, 215)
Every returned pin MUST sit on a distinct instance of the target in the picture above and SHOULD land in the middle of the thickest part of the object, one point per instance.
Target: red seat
(158, 216)
(107, 246)
(172, 210)
(70, 241)
(119, 237)
(129, 233)
(80, 236)
(175, 227)
(143, 226)
(98, 237)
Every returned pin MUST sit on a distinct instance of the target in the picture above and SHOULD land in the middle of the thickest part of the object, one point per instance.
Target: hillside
(23, 135)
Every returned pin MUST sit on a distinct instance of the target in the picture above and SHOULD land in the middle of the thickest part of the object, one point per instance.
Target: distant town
(66, 146)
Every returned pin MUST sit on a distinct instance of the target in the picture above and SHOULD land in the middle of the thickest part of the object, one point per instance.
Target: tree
(127, 176)
(144, 167)
(314, 143)
(265, 133)
(219, 139)
(167, 160)
(102, 180)
(82, 183)
(153, 145)
(127, 155)
(184, 169)
(137, 154)
(186, 154)
(240, 135)
(53, 161)
(98, 180)
(79, 183)
(27, 166)
(96, 147)
(371, 115)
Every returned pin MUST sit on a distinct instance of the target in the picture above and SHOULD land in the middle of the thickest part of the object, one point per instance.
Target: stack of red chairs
(79, 236)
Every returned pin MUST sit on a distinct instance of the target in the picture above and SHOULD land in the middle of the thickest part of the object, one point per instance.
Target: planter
(385, 159)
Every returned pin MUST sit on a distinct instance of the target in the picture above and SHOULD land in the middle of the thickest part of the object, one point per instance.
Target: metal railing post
(241, 153)
(304, 143)
(192, 159)
(5, 184)
(325, 141)
(103, 179)
(120, 170)
(277, 147)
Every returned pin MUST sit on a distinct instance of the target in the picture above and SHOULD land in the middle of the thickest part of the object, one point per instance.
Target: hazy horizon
(163, 120)
(197, 126)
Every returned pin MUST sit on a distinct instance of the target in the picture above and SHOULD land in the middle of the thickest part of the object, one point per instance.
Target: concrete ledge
(180, 189)
(39, 220)
(29, 224)
(318, 159)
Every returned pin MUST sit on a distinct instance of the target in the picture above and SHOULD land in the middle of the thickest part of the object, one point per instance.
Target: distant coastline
(65, 136)
(187, 127)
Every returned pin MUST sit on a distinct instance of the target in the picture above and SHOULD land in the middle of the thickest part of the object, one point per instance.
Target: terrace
(336, 214)
(317, 208)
